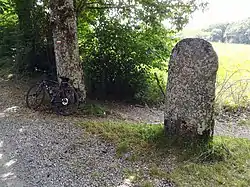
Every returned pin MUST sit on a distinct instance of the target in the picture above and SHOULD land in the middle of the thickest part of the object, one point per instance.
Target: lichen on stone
(191, 88)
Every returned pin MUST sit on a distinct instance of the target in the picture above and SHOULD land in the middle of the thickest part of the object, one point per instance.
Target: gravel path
(44, 153)
(38, 149)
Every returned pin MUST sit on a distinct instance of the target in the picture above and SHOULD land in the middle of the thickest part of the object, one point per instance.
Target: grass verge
(232, 170)
(223, 162)
(138, 138)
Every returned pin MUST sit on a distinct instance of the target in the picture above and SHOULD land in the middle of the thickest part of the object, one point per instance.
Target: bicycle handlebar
(46, 74)
(39, 70)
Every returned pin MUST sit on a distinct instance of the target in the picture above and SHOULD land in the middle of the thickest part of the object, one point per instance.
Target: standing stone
(191, 90)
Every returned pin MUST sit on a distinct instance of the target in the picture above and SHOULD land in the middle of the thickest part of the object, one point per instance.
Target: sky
(219, 11)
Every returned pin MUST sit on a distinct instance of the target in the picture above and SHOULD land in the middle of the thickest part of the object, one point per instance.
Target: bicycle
(63, 97)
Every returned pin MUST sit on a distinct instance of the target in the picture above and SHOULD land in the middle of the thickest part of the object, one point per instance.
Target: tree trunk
(64, 28)
(25, 42)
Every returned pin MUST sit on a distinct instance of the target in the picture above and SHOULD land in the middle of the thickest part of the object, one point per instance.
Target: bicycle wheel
(35, 96)
(66, 101)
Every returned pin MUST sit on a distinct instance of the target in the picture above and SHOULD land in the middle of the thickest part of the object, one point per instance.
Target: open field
(233, 76)
(231, 58)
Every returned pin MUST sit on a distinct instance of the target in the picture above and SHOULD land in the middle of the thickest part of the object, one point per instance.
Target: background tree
(217, 31)
(235, 32)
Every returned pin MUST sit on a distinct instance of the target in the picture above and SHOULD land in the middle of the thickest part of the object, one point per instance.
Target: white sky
(221, 11)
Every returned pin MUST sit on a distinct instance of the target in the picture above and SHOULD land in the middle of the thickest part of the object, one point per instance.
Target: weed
(95, 174)
(122, 148)
(147, 184)
(244, 122)
(94, 110)
(157, 172)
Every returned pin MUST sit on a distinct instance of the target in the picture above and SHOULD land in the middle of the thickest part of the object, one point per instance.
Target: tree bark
(64, 28)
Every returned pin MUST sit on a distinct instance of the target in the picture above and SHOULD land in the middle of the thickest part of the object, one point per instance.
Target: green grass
(147, 184)
(233, 170)
(223, 162)
(233, 76)
(127, 137)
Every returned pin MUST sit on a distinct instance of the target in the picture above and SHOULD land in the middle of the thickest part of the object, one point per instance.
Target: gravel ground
(38, 149)
(44, 153)
(229, 124)
(55, 154)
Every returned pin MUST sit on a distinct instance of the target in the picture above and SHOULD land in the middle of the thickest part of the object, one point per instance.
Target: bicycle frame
(60, 94)
(54, 93)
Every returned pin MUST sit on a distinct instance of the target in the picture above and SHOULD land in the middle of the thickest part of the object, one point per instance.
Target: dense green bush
(118, 60)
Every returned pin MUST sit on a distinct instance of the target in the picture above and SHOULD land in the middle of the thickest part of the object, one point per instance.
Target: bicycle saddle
(64, 79)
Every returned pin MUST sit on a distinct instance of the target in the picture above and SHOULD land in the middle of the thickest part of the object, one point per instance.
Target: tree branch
(107, 6)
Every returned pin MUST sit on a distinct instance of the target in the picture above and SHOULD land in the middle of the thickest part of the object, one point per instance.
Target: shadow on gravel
(7, 175)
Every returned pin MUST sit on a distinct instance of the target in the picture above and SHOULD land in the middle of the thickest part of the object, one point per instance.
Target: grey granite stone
(190, 90)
